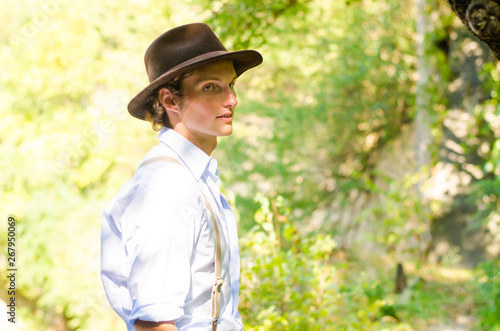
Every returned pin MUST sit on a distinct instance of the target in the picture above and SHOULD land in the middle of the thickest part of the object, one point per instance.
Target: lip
(226, 117)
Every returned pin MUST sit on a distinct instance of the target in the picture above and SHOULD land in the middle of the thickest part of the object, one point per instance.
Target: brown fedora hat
(182, 49)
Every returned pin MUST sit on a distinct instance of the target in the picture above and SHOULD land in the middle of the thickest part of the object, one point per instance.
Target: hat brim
(242, 61)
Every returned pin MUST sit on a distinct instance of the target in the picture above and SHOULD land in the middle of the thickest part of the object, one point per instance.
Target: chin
(226, 132)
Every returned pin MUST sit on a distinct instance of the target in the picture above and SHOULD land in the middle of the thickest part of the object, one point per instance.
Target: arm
(159, 246)
(154, 326)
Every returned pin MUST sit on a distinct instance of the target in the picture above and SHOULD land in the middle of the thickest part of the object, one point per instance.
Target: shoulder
(167, 176)
(163, 194)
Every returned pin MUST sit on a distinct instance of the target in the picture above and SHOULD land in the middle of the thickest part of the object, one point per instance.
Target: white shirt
(158, 242)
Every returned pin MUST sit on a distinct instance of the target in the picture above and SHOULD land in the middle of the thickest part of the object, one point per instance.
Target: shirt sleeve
(158, 234)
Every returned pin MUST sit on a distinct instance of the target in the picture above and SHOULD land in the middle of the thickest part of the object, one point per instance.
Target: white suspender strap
(218, 279)
(218, 251)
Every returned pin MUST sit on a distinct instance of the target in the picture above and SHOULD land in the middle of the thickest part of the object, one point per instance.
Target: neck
(207, 144)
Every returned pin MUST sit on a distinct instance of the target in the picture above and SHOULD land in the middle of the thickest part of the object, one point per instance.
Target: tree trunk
(423, 137)
(482, 17)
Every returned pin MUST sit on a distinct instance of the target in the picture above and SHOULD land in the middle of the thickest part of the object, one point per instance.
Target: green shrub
(292, 281)
(489, 293)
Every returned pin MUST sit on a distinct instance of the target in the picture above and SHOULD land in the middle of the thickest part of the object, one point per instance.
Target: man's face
(207, 108)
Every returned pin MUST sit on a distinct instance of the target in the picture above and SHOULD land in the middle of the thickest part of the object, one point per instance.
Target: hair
(156, 113)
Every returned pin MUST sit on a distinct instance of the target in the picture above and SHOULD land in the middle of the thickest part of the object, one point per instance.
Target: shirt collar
(194, 158)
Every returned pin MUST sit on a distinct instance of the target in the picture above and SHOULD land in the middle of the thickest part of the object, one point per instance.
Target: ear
(168, 100)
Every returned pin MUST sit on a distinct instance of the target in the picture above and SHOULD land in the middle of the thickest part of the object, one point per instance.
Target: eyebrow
(217, 79)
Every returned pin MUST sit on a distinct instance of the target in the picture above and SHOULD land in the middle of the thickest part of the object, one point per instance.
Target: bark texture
(482, 17)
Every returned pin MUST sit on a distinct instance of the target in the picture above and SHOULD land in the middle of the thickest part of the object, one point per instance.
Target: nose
(230, 100)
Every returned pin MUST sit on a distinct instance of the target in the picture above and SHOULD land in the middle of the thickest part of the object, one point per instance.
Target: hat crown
(179, 45)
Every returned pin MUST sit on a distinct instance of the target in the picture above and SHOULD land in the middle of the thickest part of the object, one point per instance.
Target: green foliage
(295, 285)
(65, 145)
(489, 290)
(242, 23)
(294, 281)
(486, 191)
(400, 218)
(327, 99)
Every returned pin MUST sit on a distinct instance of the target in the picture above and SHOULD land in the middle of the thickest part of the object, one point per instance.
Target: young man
(158, 238)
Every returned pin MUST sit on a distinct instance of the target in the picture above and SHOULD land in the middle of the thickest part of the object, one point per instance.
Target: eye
(231, 85)
(208, 87)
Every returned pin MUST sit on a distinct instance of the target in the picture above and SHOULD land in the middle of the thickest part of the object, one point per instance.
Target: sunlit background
(369, 137)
